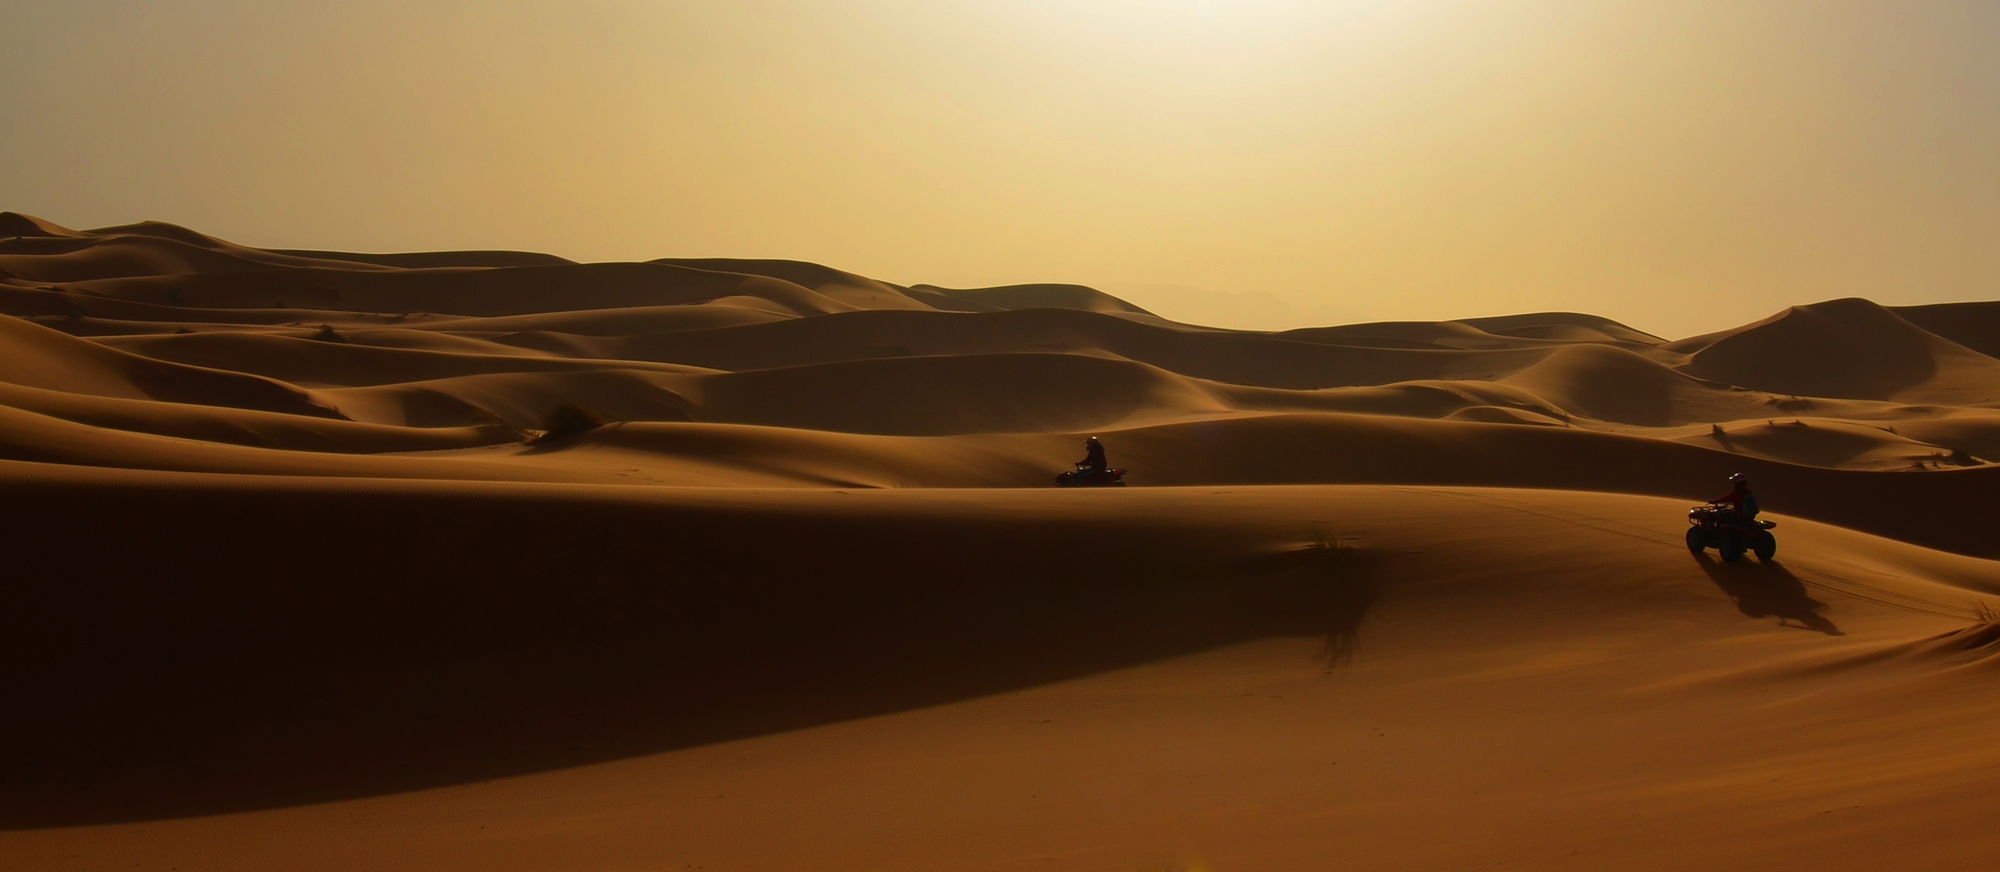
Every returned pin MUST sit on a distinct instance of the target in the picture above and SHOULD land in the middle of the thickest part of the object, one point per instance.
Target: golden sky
(1680, 165)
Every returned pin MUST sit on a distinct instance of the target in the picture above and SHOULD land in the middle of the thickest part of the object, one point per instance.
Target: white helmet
(1740, 478)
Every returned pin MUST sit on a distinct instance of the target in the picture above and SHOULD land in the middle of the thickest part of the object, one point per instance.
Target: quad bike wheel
(1731, 547)
(1695, 540)
(1766, 546)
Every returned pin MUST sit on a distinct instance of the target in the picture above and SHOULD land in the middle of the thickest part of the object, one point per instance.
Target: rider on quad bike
(1739, 498)
(1093, 462)
(1729, 524)
(1092, 470)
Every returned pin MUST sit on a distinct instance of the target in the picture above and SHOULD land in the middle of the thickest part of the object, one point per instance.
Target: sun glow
(1333, 161)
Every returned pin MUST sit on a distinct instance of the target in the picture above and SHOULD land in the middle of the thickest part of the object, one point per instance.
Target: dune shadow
(1764, 589)
(554, 440)
(1346, 591)
(436, 640)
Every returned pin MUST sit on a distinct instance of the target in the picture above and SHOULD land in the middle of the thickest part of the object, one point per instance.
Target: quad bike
(1729, 533)
(1085, 476)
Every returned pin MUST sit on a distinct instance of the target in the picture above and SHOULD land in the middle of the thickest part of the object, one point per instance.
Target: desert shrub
(565, 422)
(1324, 539)
(326, 333)
(1715, 430)
(1983, 612)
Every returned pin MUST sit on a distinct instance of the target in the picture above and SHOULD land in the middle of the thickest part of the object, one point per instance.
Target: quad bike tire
(1695, 540)
(1732, 547)
(1766, 546)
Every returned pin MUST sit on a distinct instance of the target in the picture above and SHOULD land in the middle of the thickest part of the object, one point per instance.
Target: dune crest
(1846, 349)
(17, 224)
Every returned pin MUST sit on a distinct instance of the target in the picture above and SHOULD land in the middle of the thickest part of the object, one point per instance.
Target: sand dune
(1973, 325)
(1513, 331)
(954, 394)
(1045, 296)
(465, 290)
(1563, 327)
(1611, 384)
(630, 321)
(1845, 348)
(848, 288)
(432, 259)
(43, 358)
(1223, 356)
(520, 399)
(1279, 634)
(240, 426)
(117, 252)
(301, 359)
(27, 227)
(304, 583)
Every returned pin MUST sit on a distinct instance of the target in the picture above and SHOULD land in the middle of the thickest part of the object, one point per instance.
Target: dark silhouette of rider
(1093, 457)
(1739, 499)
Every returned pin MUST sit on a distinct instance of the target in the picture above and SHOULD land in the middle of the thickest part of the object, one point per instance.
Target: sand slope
(300, 582)
(1845, 348)
(1293, 671)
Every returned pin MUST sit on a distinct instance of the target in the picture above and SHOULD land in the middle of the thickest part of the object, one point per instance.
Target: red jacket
(1743, 501)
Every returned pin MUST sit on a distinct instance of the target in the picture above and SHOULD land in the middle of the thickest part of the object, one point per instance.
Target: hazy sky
(1680, 165)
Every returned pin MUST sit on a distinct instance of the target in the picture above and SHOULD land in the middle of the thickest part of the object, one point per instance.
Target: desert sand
(308, 571)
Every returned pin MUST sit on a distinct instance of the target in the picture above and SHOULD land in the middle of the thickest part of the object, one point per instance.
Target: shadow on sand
(454, 640)
(1768, 589)
(1345, 591)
